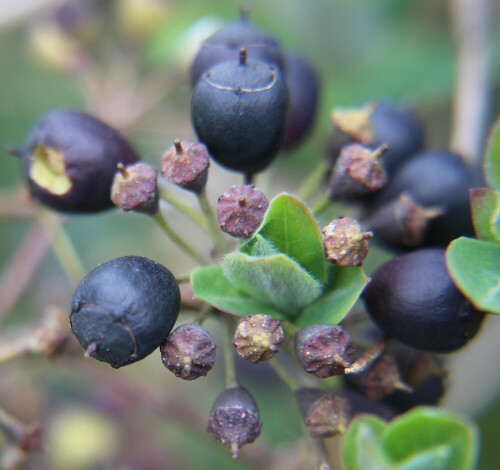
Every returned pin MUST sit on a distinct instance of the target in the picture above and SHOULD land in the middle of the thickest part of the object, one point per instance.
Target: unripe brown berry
(135, 188)
(324, 350)
(345, 243)
(189, 352)
(185, 164)
(241, 210)
(258, 338)
(234, 419)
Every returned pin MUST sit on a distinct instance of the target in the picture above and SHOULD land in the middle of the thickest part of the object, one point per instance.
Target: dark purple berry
(413, 299)
(436, 179)
(225, 44)
(238, 110)
(189, 351)
(234, 419)
(70, 159)
(303, 90)
(124, 309)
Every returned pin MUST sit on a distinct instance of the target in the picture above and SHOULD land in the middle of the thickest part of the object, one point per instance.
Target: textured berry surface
(124, 309)
(239, 110)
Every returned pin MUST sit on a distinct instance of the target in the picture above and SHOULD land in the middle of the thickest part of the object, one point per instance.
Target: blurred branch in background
(472, 26)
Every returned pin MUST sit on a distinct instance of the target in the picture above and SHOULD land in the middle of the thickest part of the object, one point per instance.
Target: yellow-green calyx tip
(48, 170)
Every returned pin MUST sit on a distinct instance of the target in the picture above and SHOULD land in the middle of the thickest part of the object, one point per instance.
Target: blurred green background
(398, 50)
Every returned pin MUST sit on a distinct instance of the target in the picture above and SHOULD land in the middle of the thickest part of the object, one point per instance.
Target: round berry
(413, 299)
(225, 44)
(238, 110)
(124, 309)
(439, 180)
(70, 159)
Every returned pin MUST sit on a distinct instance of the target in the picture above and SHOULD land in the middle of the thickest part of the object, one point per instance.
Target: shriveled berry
(345, 243)
(303, 90)
(186, 165)
(234, 419)
(238, 110)
(437, 179)
(241, 210)
(124, 309)
(412, 298)
(325, 415)
(324, 350)
(189, 351)
(357, 172)
(225, 44)
(258, 338)
(381, 378)
(375, 124)
(70, 158)
(135, 187)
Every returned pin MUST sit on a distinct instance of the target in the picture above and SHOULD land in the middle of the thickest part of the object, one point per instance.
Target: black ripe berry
(413, 299)
(438, 180)
(303, 88)
(70, 159)
(124, 309)
(225, 44)
(238, 110)
(381, 123)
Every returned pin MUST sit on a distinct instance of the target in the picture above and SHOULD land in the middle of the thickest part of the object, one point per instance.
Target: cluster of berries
(249, 99)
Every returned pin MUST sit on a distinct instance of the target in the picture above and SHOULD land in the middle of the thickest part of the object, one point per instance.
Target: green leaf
(474, 266)
(290, 226)
(259, 246)
(210, 284)
(423, 438)
(492, 157)
(431, 438)
(485, 206)
(361, 445)
(276, 280)
(345, 284)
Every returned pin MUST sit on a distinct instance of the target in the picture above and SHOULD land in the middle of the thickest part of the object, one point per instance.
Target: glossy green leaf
(276, 280)
(474, 266)
(210, 284)
(290, 226)
(345, 284)
(431, 438)
(423, 438)
(361, 445)
(492, 157)
(485, 206)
